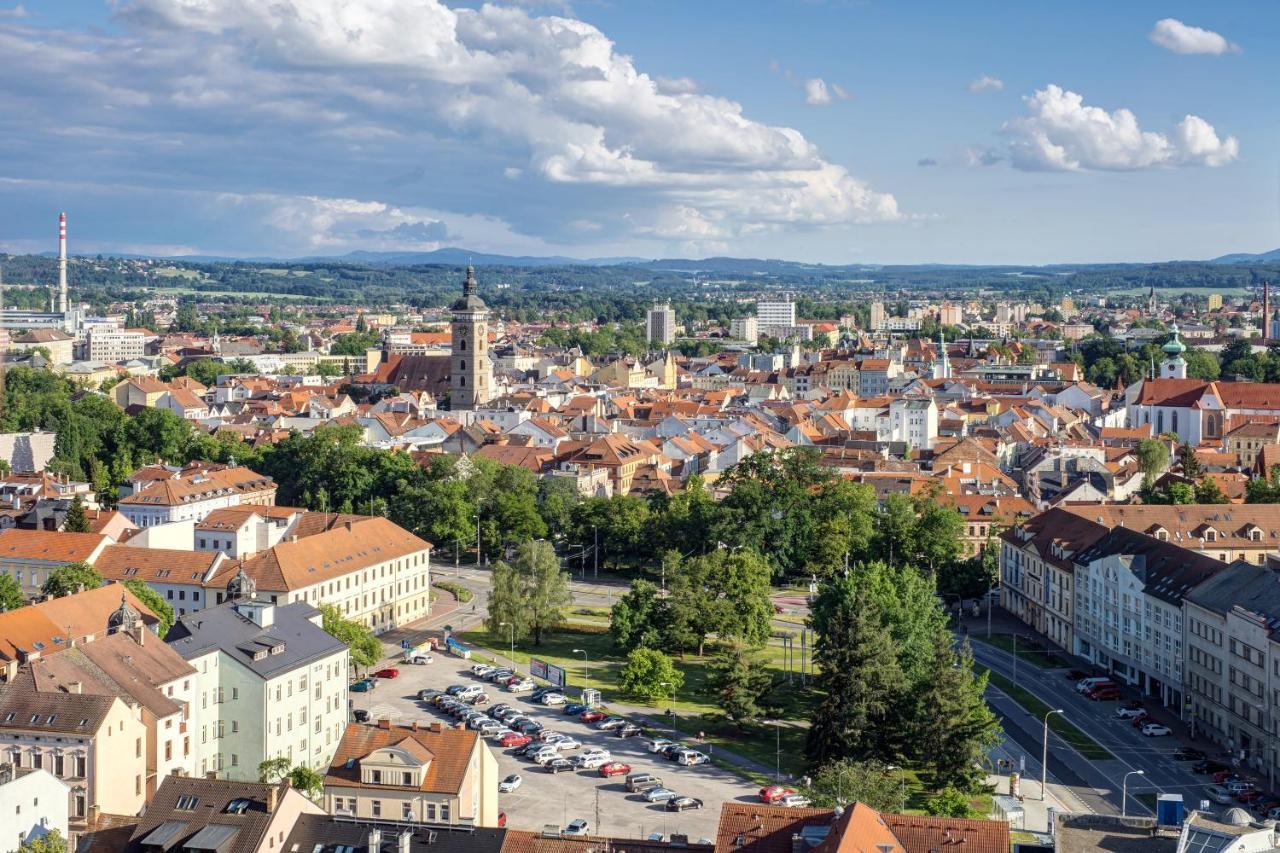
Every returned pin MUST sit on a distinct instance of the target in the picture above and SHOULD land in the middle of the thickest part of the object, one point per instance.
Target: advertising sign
(555, 674)
(537, 668)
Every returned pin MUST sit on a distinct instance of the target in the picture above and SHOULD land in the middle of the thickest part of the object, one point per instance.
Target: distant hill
(1246, 258)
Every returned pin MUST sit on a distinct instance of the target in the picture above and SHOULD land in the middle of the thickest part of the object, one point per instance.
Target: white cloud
(818, 92)
(18, 11)
(1172, 34)
(1061, 133)
(550, 92)
(986, 83)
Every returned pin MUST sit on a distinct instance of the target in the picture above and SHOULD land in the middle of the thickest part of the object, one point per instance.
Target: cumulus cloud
(818, 92)
(1062, 133)
(432, 231)
(986, 83)
(1172, 34)
(326, 97)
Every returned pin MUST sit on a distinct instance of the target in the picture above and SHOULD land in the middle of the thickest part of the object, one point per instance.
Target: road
(1090, 779)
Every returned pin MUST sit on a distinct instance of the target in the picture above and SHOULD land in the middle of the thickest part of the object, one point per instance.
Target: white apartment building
(34, 803)
(192, 495)
(913, 421)
(771, 316)
(374, 571)
(660, 325)
(272, 683)
(242, 531)
(745, 329)
(111, 345)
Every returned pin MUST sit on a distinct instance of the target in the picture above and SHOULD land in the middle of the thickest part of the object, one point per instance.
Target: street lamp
(583, 652)
(477, 518)
(777, 756)
(512, 636)
(1044, 760)
(902, 775)
(1124, 790)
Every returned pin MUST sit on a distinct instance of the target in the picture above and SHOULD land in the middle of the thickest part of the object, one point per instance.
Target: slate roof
(1168, 572)
(313, 833)
(449, 751)
(23, 708)
(1255, 589)
(223, 627)
(192, 811)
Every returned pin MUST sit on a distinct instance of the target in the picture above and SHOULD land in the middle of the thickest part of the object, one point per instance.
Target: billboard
(555, 674)
(538, 668)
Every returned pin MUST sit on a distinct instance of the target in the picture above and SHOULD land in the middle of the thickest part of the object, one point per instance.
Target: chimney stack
(62, 263)
(406, 840)
(75, 687)
(384, 723)
(375, 841)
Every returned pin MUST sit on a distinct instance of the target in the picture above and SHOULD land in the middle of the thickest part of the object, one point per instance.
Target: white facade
(33, 804)
(660, 325)
(776, 313)
(112, 345)
(913, 421)
(745, 329)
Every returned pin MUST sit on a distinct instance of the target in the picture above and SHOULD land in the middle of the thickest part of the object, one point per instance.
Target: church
(465, 376)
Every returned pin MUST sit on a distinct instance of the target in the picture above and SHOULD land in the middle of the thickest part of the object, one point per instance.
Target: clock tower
(471, 374)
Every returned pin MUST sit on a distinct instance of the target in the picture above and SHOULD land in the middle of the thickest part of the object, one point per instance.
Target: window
(187, 803)
(375, 776)
(375, 808)
(408, 778)
(237, 806)
(406, 811)
(444, 812)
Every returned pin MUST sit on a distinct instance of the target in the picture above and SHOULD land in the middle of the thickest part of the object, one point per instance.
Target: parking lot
(545, 798)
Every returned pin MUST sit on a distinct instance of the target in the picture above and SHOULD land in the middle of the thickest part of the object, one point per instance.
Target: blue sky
(879, 132)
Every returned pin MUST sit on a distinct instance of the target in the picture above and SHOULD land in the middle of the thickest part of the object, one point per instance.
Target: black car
(1188, 754)
(529, 748)
(575, 709)
(455, 689)
(427, 695)
(679, 804)
(528, 727)
(558, 765)
(360, 715)
(495, 710)
(672, 752)
(542, 691)
(629, 730)
(1209, 766)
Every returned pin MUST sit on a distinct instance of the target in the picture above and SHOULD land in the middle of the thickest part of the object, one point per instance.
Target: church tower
(471, 374)
(1174, 365)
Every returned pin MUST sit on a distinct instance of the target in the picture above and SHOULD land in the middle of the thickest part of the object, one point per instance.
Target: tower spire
(469, 286)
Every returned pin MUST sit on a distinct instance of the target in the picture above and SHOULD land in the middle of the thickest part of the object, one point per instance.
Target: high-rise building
(877, 316)
(471, 374)
(745, 329)
(950, 315)
(1215, 301)
(660, 325)
(776, 314)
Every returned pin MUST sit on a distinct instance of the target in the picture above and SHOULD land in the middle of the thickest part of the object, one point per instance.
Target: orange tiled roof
(450, 752)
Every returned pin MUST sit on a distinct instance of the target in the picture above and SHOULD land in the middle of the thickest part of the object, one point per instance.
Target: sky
(832, 131)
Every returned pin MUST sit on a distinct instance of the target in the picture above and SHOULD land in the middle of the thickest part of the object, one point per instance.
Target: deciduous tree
(71, 578)
(649, 674)
(155, 603)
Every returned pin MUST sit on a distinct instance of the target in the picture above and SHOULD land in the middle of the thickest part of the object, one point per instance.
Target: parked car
(499, 733)
(509, 784)
(589, 762)
(1156, 730)
(794, 801)
(659, 794)
(550, 699)
(657, 744)
(426, 695)
(495, 710)
(557, 765)
(547, 755)
(364, 685)
(1249, 796)
(388, 672)
(1127, 713)
(671, 753)
(548, 736)
(529, 727)
(1237, 786)
(637, 782)
(481, 698)
(1104, 694)
(577, 826)
(455, 689)
(1219, 795)
(524, 685)
(691, 758)
(1084, 685)
(679, 804)
(1208, 765)
(596, 750)
(610, 723)
(421, 658)
(1077, 675)
(591, 716)
(480, 670)
(468, 691)
(575, 708)
(773, 793)
(360, 715)
(614, 768)
(628, 730)
(566, 743)
(1224, 776)
(497, 674)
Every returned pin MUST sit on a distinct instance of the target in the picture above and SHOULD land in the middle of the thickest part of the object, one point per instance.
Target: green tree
(1181, 493)
(11, 597)
(949, 802)
(77, 520)
(842, 782)
(71, 578)
(1202, 365)
(310, 782)
(648, 674)
(638, 618)
(272, 770)
(365, 649)
(724, 593)
(160, 433)
(155, 603)
(529, 594)
(859, 675)
(954, 726)
(1264, 490)
(1209, 492)
(1189, 462)
(738, 680)
(50, 842)
(1153, 458)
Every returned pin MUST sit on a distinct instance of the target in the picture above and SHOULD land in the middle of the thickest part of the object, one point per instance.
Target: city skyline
(824, 132)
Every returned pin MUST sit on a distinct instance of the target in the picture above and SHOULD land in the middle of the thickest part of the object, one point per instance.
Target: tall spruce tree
(859, 676)
(77, 520)
(954, 726)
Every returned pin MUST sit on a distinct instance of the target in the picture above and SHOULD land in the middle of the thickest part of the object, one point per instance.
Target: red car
(513, 739)
(1249, 795)
(502, 818)
(1141, 720)
(614, 768)
(591, 716)
(1224, 776)
(1106, 694)
(773, 793)
(389, 672)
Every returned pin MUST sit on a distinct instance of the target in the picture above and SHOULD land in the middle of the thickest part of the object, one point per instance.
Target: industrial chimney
(62, 263)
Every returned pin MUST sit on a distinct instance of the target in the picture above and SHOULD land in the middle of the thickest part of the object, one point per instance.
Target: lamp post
(1044, 757)
(477, 518)
(902, 776)
(777, 755)
(583, 652)
(1124, 790)
(595, 552)
(511, 630)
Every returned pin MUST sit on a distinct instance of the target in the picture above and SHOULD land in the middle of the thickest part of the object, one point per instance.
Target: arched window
(462, 365)
(462, 381)
(462, 344)
(1175, 421)
(1159, 422)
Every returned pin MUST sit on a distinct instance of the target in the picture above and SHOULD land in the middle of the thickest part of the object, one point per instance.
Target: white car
(566, 742)
(553, 699)
(597, 752)
(691, 758)
(545, 756)
(522, 686)
(659, 743)
(499, 733)
(420, 658)
(480, 670)
(1130, 713)
(575, 827)
(794, 801)
(1156, 730)
(509, 784)
(590, 762)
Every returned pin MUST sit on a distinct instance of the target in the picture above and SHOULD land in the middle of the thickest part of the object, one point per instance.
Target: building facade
(660, 325)
(471, 372)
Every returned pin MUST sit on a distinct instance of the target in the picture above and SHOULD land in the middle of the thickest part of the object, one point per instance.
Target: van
(470, 691)
(642, 782)
(1084, 685)
(691, 758)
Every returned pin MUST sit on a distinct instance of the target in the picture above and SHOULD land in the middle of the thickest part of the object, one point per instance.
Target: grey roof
(164, 835)
(211, 837)
(322, 833)
(24, 708)
(222, 627)
(191, 813)
(1168, 572)
(1254, 588)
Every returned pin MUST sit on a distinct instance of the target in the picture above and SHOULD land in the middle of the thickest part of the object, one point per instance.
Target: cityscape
(535, 428)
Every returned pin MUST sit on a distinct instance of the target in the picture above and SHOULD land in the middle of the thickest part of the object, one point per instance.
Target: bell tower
(1174, 365)
(471, 373)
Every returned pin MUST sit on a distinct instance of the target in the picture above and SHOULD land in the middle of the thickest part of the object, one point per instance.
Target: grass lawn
(1082, 743)
(1027, 653)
